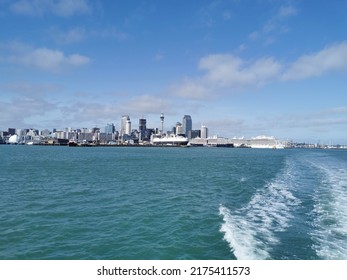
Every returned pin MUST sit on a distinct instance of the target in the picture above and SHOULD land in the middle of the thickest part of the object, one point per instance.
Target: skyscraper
(179, 129)
(109, 128)
(128, 127)
(204, 132)
(124, 120)
(187, 125)
(142, 128)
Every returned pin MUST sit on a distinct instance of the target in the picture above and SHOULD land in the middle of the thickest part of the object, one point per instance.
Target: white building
(204, 132)
(179, 128)
(128, 127)
(123, 125)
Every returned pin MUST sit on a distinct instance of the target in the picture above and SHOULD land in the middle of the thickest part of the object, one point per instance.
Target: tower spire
(162, 123)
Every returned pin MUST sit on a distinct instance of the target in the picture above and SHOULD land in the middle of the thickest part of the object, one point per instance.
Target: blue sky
(240, 67)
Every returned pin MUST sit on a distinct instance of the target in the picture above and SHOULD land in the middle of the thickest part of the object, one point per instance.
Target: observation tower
(162, 123)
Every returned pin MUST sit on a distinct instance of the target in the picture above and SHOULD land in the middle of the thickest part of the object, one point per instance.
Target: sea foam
(330, 210)
(251, 230)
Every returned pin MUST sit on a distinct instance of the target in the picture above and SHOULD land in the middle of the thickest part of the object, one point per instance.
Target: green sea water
(172, 203)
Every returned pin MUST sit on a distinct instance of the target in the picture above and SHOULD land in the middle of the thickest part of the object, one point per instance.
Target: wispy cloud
(229, 71)
(194, 89)
(333, 58)
(145, 104)
(79, 34)
(91, 112)
(286, 11)
(226, 71)
(274, 26)
(30, 89)
(18, 111)
(42, 58)
(71, 36)
(111, 32)
(65, 8)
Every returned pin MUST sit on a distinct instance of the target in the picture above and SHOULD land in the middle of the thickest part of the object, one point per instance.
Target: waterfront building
(85, 136)
(123, 125)
(45, 132)
(59, 134)
(194, 134)
(11, 131)
(32, 132)
(142, 129)
(179, 129)
(20, 132)
(187, 125)
(128, 127)
(204, 132)
(109, 128)
(105, 138)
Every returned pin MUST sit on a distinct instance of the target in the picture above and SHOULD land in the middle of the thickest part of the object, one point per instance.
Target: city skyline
(124, 126)
(242, 68)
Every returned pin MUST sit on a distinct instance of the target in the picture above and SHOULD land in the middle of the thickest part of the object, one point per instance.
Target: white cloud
(73, 35)
(17, 112)
(78, 34)
(90, 113)
(226, 70)
(46, 59)
(145, 104)
(333, 58)
(69, 8)
(287, 11)
(274, 26)
(192, 89)
(64, 8)
(29, 88)
(111, 32)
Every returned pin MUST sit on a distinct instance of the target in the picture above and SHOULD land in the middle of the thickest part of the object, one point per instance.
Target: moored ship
(171, 140)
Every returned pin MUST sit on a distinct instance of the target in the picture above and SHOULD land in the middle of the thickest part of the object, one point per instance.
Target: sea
(166, 203)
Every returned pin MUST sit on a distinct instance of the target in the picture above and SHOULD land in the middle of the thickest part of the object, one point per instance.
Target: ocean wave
(251, 230)
(330, 210)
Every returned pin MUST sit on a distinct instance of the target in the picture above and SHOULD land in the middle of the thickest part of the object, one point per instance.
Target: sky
(243, 68)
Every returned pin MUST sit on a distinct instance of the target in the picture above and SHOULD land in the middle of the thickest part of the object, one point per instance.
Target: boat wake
(251, 230)
(330, 210)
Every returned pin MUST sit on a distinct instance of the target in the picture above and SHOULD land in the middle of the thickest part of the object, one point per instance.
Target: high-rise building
(179, 129)
(109, 128)
(128, 127)
(187, 125)
(204, 132)
(12, 131)
(124, 120)
(142, 128)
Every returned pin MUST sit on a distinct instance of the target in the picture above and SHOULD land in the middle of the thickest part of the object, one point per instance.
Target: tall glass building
(142, 128)
(109, 128)
(123, 127)
(187, 125)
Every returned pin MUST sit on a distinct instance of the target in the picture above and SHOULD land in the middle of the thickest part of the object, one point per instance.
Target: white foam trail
(330, 210)
(241, 237)
(250, 231)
